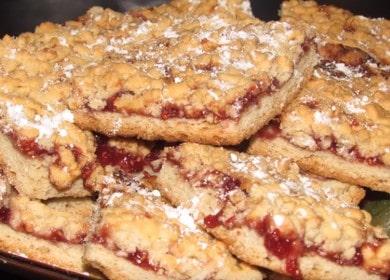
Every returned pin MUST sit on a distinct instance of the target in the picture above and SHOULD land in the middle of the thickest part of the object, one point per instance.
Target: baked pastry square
(336, 25)
(52, 232)
(210, 79)
(271, 215)
(339, 125)
(138, 235)
(212, 76)
(43, 154)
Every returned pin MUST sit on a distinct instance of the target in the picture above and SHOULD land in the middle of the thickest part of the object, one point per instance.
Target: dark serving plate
(17, 16)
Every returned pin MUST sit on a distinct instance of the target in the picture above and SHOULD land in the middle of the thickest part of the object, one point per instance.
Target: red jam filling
(109, 155)
(353, 152)
(141, 259)
(5, 215)
(138, 257)
(288, 248)
(271, 130)
(171, 110)
(213, 221)
(110, 106)
(57, 235)
(101, 236)
(217, 180)
(28, 147)
(87, 170)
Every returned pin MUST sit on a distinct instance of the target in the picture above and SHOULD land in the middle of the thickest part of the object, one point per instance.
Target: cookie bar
(52, 232)
(43, 153)
(209, 77)
(339, 125)
(138, 235)
(272, 215)
(337, 26)
(213, 80)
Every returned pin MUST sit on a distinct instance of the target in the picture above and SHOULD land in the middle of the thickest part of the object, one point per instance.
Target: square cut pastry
(43, 154)
(210, 75)
(339, 125)
(138, 235)
(208, 79)
(336, 25)
(272, 215)
(51, 232)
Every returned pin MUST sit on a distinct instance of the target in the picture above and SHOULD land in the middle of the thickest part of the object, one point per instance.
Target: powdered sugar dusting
(46, 125)
(183, 215)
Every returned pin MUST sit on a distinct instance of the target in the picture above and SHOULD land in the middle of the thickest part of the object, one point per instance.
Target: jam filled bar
(43, 154)
(51, 232)
(209, 79)
(339, 125)
(271, 215)
(138, 235)
(213, 76)
(336, 25)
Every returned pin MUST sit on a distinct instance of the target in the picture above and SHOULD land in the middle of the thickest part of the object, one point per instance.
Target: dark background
(17, 16)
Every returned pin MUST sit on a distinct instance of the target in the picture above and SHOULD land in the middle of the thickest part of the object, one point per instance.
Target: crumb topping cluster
(138, 220)
(147, 61)
(340, 26)
(345, 108)
(321, 213)
(54, 221)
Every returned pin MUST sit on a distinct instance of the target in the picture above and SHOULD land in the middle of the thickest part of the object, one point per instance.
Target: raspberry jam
(288, 248)
(28, 147)
(171, 110)
(141, 259)
(101, 236)
(213, 221)
(355, 153)
(217, 180)
(271, 130)
(109, 155)
(110, 102)
(5, 215)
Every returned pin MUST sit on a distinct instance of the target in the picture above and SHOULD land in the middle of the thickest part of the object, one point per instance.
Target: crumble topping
(320, 213)
(141, 224)
(342, 109)
(340, 26)
(54, 221)
(194, 66)
(41, 132)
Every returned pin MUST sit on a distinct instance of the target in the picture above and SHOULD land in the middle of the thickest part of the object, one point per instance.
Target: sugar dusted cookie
(272, 215)
(138, 235)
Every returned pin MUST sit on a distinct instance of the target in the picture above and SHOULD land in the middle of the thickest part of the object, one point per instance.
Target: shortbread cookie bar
(211, 80)
(52, 232)
(271, 215)
(43, 154)
(336, 25)
(140, 236)
(339, 125)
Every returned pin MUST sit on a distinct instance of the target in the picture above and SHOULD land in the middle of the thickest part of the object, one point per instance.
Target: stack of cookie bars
(112, 129)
